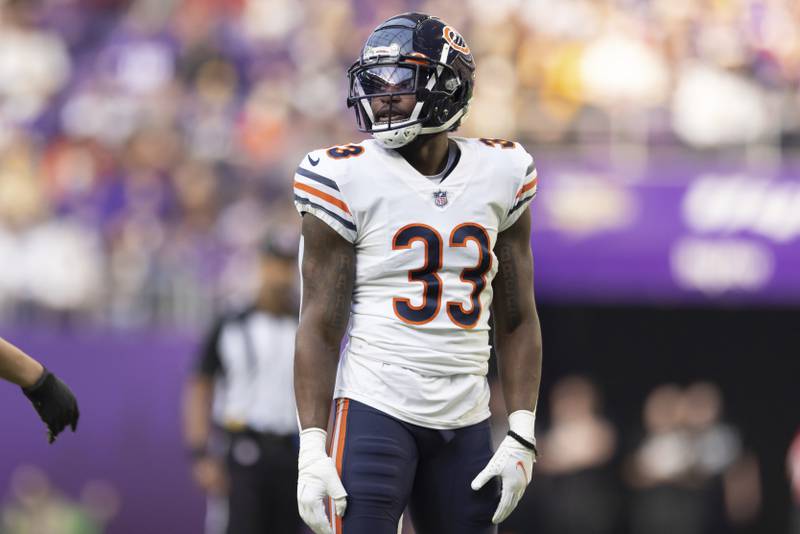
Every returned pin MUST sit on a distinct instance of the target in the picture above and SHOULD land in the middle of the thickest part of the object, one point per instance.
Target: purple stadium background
(650, 237)
(129, 385)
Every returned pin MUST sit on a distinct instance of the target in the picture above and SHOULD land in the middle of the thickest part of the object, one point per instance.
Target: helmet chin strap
(394, 137)
(447, 125)
(398, 137)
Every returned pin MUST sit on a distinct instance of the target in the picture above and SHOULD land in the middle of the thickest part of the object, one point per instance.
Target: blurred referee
(242, 384)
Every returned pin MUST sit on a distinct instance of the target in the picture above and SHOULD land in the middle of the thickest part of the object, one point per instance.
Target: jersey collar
(454, 184)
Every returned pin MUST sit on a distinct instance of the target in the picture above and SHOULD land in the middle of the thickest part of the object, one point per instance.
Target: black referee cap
(280, 243)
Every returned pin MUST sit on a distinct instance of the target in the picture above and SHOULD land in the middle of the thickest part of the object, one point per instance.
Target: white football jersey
(419, 329)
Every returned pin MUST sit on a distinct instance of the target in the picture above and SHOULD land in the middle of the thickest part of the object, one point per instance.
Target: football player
(413, 238)
(51, 398)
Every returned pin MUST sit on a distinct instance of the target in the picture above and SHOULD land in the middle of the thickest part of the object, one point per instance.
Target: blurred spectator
(38, 507)
(575, 490)
(689, 474)
(713, 107)
(34, 64)
(793, 468)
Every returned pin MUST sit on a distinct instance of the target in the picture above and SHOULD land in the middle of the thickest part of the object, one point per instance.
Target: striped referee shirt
(250, 356)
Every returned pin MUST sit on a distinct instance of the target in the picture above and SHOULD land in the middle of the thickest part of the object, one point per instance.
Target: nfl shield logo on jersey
(440, 198)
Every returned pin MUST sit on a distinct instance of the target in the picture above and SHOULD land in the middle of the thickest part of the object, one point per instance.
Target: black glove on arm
(55, 404)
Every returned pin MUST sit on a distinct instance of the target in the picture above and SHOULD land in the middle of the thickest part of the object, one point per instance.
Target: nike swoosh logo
(313, 162)
(522, 466)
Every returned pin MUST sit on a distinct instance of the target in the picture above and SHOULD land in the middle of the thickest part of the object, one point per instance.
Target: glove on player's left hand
(317, 480)
(513, 463)
(55, 404)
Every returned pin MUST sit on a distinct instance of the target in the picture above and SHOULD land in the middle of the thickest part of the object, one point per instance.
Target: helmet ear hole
(450, 82)
(442, 111)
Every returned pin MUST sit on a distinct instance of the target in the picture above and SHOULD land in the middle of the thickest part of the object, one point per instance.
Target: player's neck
(427, 153)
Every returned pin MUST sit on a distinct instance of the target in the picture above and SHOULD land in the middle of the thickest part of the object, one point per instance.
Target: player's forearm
(517, 334)
(520, 364)
(18, 367)
(323, 320)
(315, 365)
(197, 401)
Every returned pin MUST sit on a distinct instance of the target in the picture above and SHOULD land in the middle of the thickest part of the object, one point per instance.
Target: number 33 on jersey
(424, 250)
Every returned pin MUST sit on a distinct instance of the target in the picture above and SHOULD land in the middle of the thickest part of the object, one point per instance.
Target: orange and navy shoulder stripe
(314, 192)
(528, 189)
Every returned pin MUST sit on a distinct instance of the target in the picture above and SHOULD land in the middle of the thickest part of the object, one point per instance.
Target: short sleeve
(320, 195)
(526, 186)
(209, 362)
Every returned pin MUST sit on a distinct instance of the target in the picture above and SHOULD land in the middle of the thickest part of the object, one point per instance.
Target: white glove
(317, 479)
(513, 463)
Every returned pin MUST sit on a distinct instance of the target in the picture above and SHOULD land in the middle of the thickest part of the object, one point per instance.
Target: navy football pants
(386, 464)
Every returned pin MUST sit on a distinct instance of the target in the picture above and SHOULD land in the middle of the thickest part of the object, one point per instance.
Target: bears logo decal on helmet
(455, 40)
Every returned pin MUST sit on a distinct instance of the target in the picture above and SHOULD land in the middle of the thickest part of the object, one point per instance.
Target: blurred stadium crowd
(145, 145)
(684, 469)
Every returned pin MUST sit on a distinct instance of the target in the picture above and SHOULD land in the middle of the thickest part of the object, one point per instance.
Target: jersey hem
(407, 417)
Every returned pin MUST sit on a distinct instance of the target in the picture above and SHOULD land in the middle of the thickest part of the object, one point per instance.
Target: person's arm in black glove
(51, 398)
